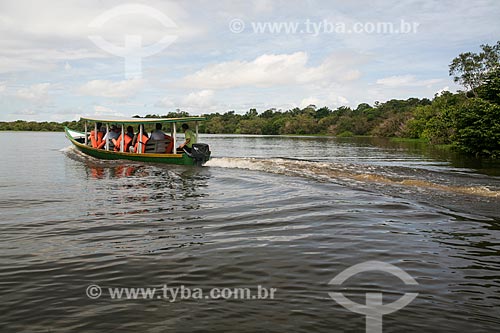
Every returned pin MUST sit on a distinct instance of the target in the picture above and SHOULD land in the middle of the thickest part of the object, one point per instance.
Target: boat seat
(157, 146)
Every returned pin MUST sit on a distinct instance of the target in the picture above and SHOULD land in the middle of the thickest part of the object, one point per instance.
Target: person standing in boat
(190, 138)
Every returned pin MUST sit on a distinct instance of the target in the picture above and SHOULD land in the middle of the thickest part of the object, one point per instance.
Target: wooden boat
(154, 151)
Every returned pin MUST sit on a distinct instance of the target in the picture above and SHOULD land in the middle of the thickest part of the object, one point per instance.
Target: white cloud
(200, 99)
(331, 100)
(197, 101)
(271, 70)
(27, 112)
(406, 80)
(33, 19)
(37, 92)
(32, 37)
(194, 101)
(100, 110)
(21, 58)
(442, 90)
(3, 86)
(263, 6)
(110, 89)
(165, 102)
(339, 100)
(310, 101)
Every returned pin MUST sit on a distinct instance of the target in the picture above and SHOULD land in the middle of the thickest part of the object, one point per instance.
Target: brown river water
(286, 214)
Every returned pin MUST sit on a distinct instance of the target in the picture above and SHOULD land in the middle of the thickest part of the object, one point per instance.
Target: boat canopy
(124, 120)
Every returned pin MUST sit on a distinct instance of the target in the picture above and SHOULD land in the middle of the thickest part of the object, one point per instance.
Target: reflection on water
(99, 172)
(286, 213)
(137, 188)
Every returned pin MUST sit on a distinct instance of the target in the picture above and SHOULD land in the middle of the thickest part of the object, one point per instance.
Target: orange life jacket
(96, 142)
(170, 145)
(144, 140)
(103, 142)
(117, 142)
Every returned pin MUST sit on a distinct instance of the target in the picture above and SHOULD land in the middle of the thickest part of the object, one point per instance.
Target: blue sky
(214, 60)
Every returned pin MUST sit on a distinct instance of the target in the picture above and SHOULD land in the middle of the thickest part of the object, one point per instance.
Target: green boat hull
(179, 159)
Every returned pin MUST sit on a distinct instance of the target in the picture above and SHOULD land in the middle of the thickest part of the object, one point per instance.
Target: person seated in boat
(190, 138)
(113, 133)
(95, 138)
(159, 135)
(134, 146)
(130, 132)
(127, 139)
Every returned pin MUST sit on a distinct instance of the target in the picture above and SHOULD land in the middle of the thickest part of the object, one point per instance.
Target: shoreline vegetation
(468, 121)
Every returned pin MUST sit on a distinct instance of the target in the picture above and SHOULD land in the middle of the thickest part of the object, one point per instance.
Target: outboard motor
(200, 153)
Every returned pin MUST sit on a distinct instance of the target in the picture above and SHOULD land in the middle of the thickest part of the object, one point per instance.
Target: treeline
(382, 119)
(471, 124)
(51, 126)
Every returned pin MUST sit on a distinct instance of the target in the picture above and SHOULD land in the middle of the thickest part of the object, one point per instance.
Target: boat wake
(352, 173)
(67, 149)
(77, 155)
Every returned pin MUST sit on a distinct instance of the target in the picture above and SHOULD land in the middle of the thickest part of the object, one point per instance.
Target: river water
(288, 213)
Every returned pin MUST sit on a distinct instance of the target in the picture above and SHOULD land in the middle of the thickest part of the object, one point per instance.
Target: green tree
(490, 90)
(471, 69)
(251, 126)
(431, 122)
(322, 112)
(252, 113)
(477, 127)
(392, 126)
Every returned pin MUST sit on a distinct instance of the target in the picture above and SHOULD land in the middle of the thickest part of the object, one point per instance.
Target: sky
(60, 60)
